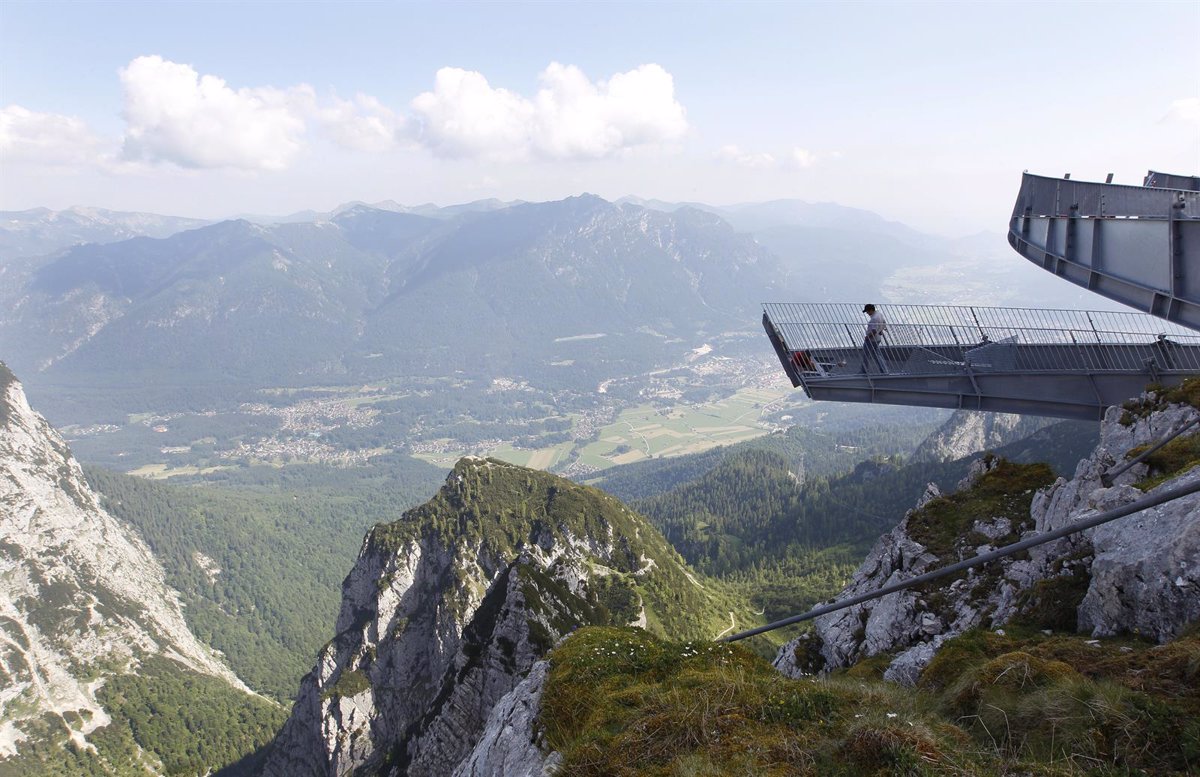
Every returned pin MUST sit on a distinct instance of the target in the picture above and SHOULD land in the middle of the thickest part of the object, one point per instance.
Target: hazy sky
(924, 112)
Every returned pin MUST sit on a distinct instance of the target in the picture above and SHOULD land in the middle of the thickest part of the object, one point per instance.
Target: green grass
(1170, 461)
(943, 526)
(640, 433)
(1186, 393)
(621, 702)
(538, 458)
(163, 471)
(1091, 706)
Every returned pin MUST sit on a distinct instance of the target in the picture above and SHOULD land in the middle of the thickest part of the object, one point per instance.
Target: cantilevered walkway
(1138, 245)
(1059, 363)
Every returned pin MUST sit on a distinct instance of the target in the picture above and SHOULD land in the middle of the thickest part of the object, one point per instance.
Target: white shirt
(876, 326)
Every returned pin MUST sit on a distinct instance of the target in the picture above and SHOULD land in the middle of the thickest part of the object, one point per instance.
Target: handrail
(991, 315)
(983, 558)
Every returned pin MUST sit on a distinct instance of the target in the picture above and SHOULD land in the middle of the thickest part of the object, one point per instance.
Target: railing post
(977, 324)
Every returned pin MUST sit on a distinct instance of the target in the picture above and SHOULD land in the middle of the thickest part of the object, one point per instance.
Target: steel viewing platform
(1138, 245)
(1059, 363)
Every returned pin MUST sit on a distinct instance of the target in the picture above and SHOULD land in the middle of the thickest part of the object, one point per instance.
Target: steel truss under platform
(1138, 245)
(1060, 363)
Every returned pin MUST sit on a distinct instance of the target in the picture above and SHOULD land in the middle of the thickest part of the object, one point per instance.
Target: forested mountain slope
(758, 513)
(259, 567)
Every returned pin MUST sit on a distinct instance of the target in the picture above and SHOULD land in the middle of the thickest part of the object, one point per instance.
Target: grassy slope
(621, 702)
(1033, 698)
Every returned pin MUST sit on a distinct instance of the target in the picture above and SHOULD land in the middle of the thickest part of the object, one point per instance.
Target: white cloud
(733, 153)
(570, 117)
(362, 124)
(464, 116)
(1185, 111)
(803, 157)
(173, 114)
(45, 138)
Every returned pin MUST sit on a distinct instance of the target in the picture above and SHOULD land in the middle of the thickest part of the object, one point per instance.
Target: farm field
(163, 471)
(646, 432)
(541, 458)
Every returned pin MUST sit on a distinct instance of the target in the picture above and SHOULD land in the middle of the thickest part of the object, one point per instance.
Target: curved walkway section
(1138, 245)
(1059, 363)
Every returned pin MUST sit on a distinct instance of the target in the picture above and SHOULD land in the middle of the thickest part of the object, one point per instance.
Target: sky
(926, 113)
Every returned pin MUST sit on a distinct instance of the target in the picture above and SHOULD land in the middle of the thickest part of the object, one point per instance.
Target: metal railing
(826, 340)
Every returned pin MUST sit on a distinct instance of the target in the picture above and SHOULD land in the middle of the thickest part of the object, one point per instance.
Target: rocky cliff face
(81, 596)
(1140, 574)
(967, 432)
(447, 609)
(509, 745)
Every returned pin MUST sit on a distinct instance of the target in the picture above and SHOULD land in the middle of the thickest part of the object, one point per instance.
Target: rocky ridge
(82, 598)
(1061, 444)
(1138, 575)
(448, 608)
(967, 432)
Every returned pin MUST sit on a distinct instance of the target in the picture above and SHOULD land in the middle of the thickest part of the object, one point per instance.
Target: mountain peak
(503, 509)
(6, 380)
(449, 607)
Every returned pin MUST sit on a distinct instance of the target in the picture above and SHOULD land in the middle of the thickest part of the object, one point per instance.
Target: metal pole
(1108, 477)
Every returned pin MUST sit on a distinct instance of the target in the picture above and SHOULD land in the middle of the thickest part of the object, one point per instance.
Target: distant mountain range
(566, 293)
(41, 231)
(611, 289)
(427, 209)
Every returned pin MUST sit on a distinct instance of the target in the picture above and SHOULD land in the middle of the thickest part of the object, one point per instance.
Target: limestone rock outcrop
(509, 745)
(967, 432)
(81, 595)
(1140, 574)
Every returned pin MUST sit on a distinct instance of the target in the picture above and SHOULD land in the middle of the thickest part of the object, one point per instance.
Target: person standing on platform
(876, 326)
